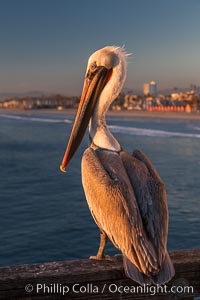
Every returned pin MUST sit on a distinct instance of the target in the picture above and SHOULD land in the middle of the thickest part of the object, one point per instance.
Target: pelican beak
(92, 88)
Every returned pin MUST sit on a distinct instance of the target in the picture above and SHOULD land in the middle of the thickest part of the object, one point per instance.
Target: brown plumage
(128, 202)
(125, 194)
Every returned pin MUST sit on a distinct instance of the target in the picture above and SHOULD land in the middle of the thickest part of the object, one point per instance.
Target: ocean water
(44, 214)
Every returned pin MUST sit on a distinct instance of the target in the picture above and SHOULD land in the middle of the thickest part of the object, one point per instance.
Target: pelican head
(104, 79)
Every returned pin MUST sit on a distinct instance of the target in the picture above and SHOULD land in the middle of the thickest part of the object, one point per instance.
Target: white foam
(195, 127)
(150, 132)
(34, 119)
(114, 128)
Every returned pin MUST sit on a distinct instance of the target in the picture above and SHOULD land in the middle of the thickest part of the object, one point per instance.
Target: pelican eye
(93, 66)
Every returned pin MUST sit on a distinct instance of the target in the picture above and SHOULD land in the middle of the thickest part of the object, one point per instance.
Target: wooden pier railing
(89, 279)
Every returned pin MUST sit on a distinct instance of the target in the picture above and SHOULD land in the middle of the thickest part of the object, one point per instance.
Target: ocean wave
(35, 119)
(194, 127)
(151, 132)
(114, 128)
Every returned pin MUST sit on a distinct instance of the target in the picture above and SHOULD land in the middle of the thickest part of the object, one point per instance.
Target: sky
(45, 44)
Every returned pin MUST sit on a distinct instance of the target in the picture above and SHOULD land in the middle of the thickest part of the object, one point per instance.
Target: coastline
(123, 113)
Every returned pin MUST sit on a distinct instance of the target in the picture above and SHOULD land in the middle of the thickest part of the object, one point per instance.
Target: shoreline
(110, 113)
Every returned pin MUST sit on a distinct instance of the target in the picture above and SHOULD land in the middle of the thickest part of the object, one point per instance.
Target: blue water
(44, 214)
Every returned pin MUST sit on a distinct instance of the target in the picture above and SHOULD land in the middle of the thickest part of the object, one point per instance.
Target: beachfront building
(55, 101)
(150, 88)
(132, 102)
(187, 96)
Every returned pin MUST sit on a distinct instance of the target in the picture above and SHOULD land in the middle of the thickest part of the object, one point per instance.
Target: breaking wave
(195, 127)
(151, 132)
(34, 119)
(114, 128)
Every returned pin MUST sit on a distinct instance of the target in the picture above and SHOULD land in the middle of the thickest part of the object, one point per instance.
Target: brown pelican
(125, 194)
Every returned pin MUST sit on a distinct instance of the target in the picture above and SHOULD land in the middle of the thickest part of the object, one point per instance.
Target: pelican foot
(100, 257)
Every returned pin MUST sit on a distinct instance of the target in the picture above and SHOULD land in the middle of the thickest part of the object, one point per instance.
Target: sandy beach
(123, 113)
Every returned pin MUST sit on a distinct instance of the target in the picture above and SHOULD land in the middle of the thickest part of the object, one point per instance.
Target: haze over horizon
(45, 44)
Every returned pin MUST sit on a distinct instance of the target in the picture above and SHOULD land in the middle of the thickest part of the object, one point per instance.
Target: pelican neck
(100, 135)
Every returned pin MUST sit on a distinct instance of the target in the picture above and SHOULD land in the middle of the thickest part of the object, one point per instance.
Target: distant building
(146, 89)
(54, 101)
(150, 88)
(186, 96)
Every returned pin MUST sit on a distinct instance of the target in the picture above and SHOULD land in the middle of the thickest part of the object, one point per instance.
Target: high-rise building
(150, 88)
(146, 89)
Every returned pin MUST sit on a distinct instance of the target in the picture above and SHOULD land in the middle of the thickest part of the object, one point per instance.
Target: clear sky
(45, 44)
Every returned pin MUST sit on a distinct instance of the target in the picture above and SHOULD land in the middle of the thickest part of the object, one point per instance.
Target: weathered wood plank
(88, 279)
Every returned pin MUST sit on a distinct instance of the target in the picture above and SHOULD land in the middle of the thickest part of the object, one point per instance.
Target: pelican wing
(151, 198)
(113, 204)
